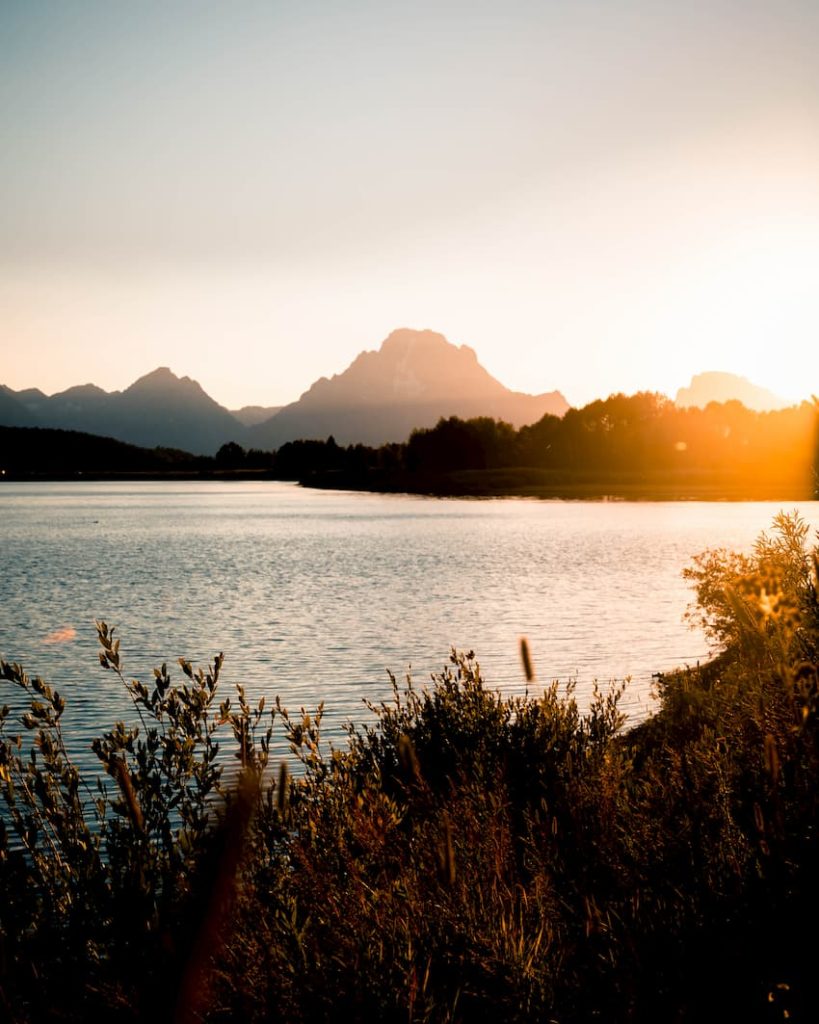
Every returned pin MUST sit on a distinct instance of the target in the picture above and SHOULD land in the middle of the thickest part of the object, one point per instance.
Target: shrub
(100, 881)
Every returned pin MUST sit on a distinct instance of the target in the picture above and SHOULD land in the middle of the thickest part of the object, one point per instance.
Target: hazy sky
(596, 196)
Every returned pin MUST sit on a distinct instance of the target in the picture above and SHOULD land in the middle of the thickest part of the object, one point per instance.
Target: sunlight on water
(314, 595)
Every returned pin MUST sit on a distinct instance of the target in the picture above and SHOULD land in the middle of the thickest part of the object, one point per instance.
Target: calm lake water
(314, 595)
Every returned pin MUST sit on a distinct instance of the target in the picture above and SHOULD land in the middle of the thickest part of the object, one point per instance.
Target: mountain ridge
(158, 410)
(412, 380)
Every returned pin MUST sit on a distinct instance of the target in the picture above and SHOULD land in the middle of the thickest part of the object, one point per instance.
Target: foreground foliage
(464, 857)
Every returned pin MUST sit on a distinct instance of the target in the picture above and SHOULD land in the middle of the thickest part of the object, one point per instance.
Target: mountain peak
(161, 375)
(81, 392)
(409, 337)
(718, 386)
(163, 379)
(412, 379)
(405, 341)
(409, 366)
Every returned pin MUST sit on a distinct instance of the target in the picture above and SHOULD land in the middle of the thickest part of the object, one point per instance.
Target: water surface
(314, 595)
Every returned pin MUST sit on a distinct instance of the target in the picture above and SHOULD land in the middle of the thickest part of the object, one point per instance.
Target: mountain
(725, 387)
(250, 415)
(414, 379)
(13, 412)
(84, 407)
(159, 409)
(31, 398)
(163, 409)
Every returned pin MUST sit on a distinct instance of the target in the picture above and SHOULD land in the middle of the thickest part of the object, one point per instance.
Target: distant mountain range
(414, 379)
(725, 387)
(158, 410)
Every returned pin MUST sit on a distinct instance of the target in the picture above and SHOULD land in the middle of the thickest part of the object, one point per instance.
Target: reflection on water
(314, 595)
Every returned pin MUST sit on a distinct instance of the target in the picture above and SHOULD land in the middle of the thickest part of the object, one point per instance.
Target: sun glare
(750, 306)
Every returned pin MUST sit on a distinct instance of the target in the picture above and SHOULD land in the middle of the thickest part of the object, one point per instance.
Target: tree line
(638, 440)
(644, 439)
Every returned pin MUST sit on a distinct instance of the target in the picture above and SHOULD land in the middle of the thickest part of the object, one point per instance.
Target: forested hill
(36, 452)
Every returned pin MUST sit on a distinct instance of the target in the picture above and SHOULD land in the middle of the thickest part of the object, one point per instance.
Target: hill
(39, 452)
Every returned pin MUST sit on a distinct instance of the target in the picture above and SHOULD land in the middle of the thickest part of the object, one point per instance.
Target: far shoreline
(476, 484)
(541, 484)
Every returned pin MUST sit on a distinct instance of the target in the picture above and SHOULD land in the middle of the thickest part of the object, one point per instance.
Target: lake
(314, 595)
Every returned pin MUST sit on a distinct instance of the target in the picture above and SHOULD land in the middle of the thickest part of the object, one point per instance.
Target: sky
(595, 196)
